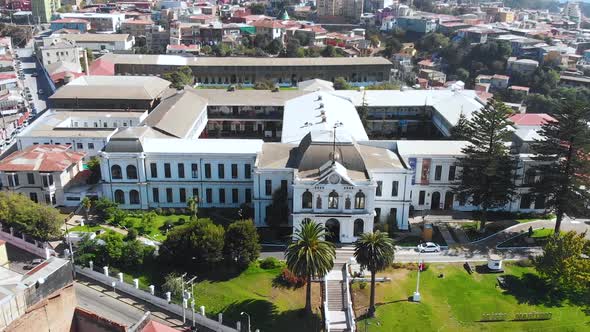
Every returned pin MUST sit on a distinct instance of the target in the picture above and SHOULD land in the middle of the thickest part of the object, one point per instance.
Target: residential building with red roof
(41, 172)
(70, 23)
(531, 119)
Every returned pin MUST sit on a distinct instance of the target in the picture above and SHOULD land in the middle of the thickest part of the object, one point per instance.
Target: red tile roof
(153, 326)
(7, 76)
(102, 67)
(531, 119)
(42, 158)
(266, 23)
(61, 75)
(519, 88)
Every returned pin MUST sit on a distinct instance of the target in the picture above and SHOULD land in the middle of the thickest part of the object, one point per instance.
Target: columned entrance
(333, 230)
(449, 198)
(435, 202)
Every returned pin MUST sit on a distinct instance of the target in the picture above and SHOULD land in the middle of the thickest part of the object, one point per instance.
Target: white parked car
(428, 247)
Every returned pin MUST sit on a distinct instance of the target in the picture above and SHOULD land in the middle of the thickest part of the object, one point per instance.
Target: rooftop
(113, 87)
(430, 148)
(95, 37)
(41, 158)
(530, 119)
(177, 60)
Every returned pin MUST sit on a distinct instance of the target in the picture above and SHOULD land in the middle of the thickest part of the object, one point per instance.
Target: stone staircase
(336, 289)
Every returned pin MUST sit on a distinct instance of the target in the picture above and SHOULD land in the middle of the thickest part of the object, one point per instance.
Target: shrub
(362, 284)
(270, 263)
(289, 279)
(131, 234)
(382, 227)
(171, 211)
(525, 263)
(158, 211)
(181, 221)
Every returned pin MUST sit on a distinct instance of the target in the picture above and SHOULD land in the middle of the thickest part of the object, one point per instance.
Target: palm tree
(374, 252)
(193, 206)
(86, 204)
(310, 256)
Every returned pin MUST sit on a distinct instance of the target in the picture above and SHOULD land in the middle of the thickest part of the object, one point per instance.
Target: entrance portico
(342, 228)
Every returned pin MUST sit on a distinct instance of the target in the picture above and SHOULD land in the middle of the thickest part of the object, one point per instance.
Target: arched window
(359, 226)
(131, 172)
(306, 200)
(134, 197)
(333, 200)
(318, 202)
(119, 197)
(347, 203)
(116, 172)
(359, 200)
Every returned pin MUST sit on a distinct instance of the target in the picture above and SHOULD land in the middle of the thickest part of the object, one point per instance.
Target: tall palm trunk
(308, 296)
(371, 312)
(558, 219)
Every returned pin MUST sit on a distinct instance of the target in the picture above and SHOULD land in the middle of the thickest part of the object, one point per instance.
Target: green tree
(132, 254)
(310, 256)
(274, 47)
(40, 221)
(113, 247)
(241, 242)
(93, 165)
(292, 49)
(86, 204)
(278, 211)
(460, 131)
(562, 153)
(565, 262)
(312, 52)
(374, 252)
(433, 42)
(257, 8)
(392, 46)
(200, 239)
(180, 77)
(340, 83)
(329, 52)
(486, 179)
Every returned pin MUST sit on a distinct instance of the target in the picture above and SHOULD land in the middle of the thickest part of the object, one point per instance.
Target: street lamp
(247, 315)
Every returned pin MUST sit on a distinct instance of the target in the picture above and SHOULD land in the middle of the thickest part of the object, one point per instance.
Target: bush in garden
(289, 279)
(270, 263)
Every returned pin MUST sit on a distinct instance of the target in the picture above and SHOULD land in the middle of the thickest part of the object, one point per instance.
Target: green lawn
(157, 231)
(457, 301)
(271, 306)
(86, 228)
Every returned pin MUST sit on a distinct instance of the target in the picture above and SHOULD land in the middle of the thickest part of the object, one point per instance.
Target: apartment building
(99, 22)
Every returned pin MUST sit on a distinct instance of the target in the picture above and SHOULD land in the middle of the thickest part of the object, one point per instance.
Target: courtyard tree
(310, 256)
(40, 221)
(565, 262)
(180, 77)
(241, 242)
(487, 168)
(562, 154)
(340, 83)
(86, 204)
(374, 252)
(200, 240)
(460, 131)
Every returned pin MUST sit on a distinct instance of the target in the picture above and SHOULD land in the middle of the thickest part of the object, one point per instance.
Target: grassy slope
(457, 301)
(271, 308)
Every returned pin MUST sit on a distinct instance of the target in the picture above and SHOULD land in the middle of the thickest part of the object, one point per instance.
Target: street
(29, 66)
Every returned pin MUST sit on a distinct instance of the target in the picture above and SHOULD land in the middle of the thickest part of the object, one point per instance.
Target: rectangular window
(196, 192)
(31, 178)
(437, 173)
(234, 196)
(220, 171)
(284, 184)
(421, 197)
(248, 195)
(90, 146)
(539, 202)
(195, 170)
(208, 171)
(45, 181)
(221, 195)
(394, 188)
(234, 171)
(247, 171)
(525, 201)
(377, 215)
(452, 171)
(79, 146)
(154, 170)
(156, 195)
(182, 195)
(268, 187)
(169, 196)
(379, 188)
(209, 195)
(181, 170)
(167, 171)
(33, 197)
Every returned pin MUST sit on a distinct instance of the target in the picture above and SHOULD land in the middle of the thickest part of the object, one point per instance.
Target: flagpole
(416, 297)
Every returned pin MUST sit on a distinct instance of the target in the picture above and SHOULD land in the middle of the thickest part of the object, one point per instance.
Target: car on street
(34, 74)
(40, 91)
(428, 247)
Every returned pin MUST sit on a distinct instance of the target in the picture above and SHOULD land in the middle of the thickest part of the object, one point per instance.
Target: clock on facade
(334, 179)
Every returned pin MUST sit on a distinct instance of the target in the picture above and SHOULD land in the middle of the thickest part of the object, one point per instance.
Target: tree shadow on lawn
(534, 290)
(265, 316)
